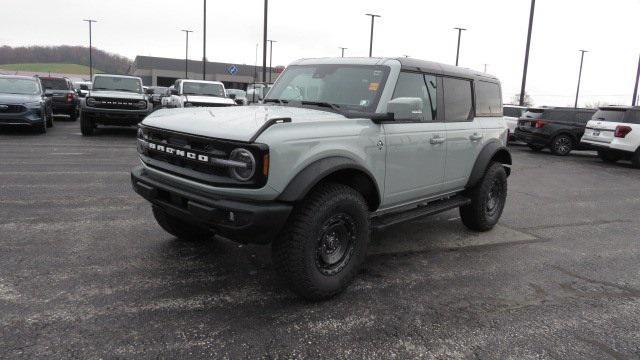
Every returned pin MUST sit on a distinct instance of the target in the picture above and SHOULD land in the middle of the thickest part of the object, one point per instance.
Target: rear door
(464, 136)
(415, 149)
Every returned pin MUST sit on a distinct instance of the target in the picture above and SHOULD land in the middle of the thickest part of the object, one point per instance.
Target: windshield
(206, 89)
(54, 84)
(236, 92)
(19, 86)
(117, 84)
(349, 87)
(159, 90)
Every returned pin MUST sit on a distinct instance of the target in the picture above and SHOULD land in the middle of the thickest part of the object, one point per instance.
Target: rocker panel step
(432, 208)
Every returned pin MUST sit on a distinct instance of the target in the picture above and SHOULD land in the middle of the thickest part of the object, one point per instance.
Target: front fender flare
(493, 150)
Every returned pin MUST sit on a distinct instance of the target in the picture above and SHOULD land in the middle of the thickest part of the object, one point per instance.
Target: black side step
(381, 222)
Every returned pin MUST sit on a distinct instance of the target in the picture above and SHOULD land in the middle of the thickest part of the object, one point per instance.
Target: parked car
(156, 93)
(512, 113)
(64, 99)
(198, 93)
(615, 132)
(256, 92)
(113, 100)
(338, 148)
(559, 129)
(239, 96)
(23, 102)
(82, 87)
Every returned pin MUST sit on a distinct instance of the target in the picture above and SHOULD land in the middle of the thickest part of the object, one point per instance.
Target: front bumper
(239, 220)
(31, 117)
(531, 138)
(115, 116)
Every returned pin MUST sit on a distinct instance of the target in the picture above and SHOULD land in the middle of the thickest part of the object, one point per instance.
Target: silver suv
(340, 147)
(113, 100)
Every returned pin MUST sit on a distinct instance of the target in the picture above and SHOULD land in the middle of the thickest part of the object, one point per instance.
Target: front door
(415, 149)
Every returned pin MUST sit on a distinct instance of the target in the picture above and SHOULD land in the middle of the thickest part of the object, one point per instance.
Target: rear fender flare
(492, 151)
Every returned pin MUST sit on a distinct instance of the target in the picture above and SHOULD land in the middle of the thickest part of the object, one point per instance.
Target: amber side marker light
(265, 165)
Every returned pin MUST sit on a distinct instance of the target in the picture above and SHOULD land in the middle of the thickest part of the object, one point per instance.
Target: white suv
(197, 93)
(615, 132)
(512, 113)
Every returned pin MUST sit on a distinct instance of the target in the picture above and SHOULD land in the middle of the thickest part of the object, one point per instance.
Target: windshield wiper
(273, 100)
(322, 103)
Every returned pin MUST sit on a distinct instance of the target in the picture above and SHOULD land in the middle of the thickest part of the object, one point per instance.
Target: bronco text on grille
(107, 103)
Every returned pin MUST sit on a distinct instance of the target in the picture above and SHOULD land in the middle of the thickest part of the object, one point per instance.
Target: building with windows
(157, 71)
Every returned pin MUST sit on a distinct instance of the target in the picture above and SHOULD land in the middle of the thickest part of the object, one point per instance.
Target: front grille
(113, 103)
(199, 104)
(12, 109)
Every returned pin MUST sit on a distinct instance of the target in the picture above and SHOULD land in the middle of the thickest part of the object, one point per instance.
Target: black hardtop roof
(444, 69)
(544, 108)
(619, 107)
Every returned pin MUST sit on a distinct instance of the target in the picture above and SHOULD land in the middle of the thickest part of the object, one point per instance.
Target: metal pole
(579, 77)
(90, 49)
(373, 16)
(204, 42)
(264, 41)
(460, 30)
(526, 53)
(343, 49)
(270, 57)
(634, 102)
(186, 55)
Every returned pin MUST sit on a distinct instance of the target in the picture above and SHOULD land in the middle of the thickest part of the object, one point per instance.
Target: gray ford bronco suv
(340, 147)
(113, 100)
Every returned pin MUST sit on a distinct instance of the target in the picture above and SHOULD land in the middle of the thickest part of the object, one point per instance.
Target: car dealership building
(157, 71)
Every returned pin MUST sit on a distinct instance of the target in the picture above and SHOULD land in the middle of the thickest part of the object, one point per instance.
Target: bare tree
(528, 101)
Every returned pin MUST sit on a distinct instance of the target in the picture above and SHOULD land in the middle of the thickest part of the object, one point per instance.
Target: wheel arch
(337, 169)
(493, 151)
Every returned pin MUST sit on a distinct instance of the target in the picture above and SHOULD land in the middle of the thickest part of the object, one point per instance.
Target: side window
(458, 103)
(420, 86)
(488, 99)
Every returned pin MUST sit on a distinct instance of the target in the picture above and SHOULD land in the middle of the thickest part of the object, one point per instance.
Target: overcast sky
(421, 28)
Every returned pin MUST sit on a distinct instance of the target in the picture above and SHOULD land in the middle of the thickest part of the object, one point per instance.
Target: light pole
(186, 55)
(264, 41)
(373, 16)
(342, 49)
(90, 49)
(460, 30)
(634, 102)
(579, 76)
(204, 42)
(526, 53)
(270, 57)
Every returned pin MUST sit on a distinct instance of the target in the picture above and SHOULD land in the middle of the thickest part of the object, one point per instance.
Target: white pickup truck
(197, 93)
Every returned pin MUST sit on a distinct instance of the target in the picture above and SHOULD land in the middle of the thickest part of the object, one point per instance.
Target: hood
(18, 98)
(116, 94)
(208, 99)
(238, 123)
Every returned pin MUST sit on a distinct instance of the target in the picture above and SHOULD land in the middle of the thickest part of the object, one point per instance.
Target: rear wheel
(635, 160)
(181, 229)
(87, 126)
(49, 118)
(488, 198)
(562, 145)
(324, 243)
(73, 115)
(608, 156)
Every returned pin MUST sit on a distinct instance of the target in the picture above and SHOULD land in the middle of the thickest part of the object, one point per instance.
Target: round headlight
(188, 104)
(141, 104)
(91, 102)
(246, 157)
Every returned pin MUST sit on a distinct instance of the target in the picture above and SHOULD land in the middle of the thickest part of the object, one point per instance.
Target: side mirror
(149, 91)
(406, 108)
(48, 94)
(232, 96)
(174, 91)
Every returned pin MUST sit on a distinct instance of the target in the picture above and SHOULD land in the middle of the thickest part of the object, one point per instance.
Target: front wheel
(635, 160)
(49, 119)
(87, 126)
(181, 229)
(324, 243)
(488, 198)
(562, 145)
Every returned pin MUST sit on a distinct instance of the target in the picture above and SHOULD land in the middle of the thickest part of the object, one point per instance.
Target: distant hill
(50, 67)
(63, 55)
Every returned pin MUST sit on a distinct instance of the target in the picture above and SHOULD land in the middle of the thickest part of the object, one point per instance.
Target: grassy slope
(49, 67)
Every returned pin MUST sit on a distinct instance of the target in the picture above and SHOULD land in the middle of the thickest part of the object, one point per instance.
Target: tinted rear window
(533, 113)
(457, 100)
(54, 84)
(488, 100)
(609, 115)
(632, 117)
(512, 111)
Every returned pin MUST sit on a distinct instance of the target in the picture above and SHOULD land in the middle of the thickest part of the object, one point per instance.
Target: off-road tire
(562, 145)
(536, 148)
(324, 242)
(608, 156)
(87, 126)
(181, 229)
(487, 201)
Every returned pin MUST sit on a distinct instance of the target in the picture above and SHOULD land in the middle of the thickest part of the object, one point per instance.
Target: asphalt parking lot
(86, 272)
